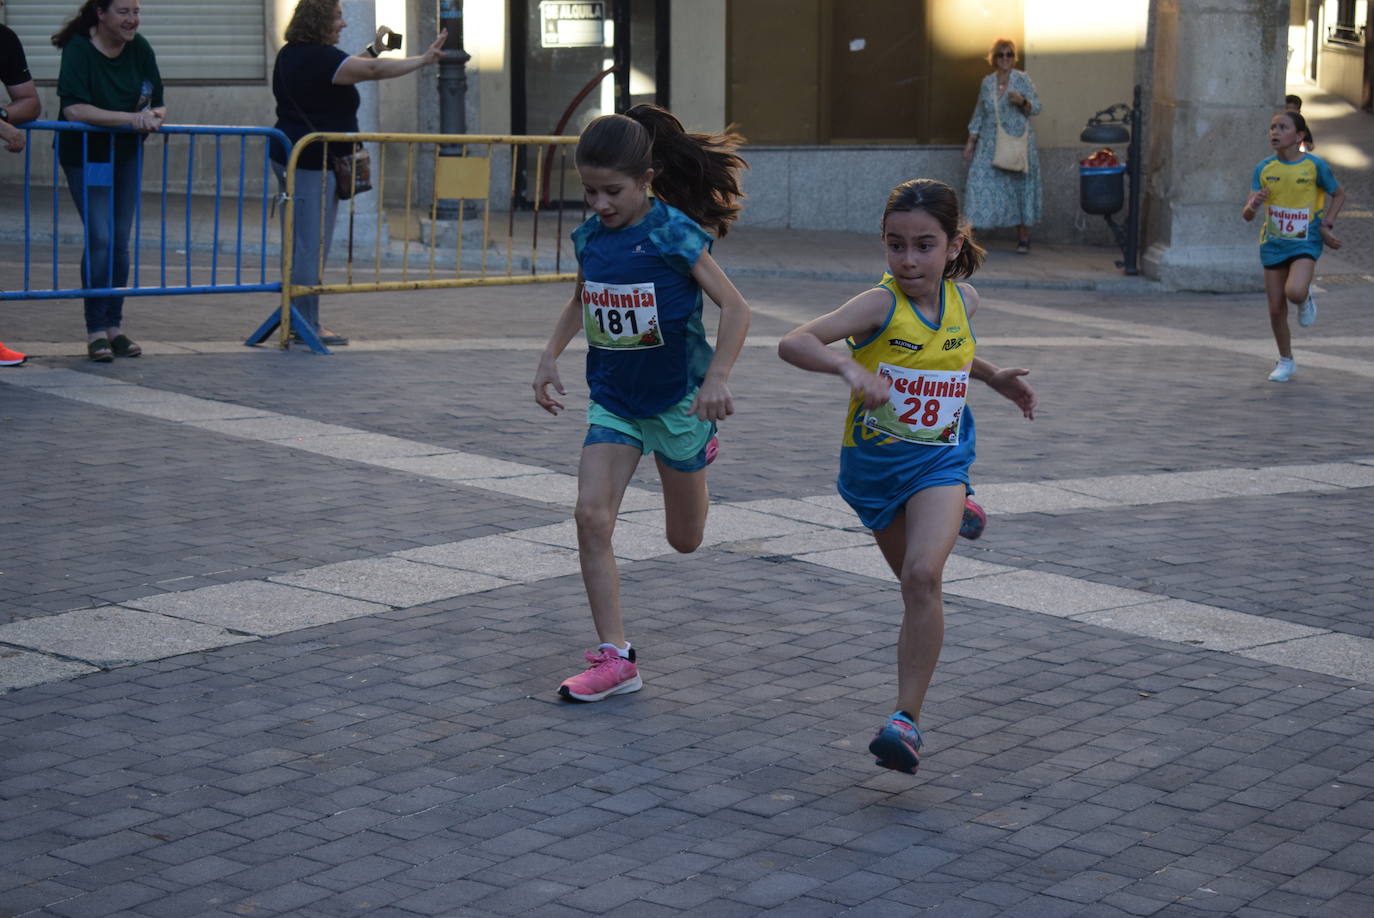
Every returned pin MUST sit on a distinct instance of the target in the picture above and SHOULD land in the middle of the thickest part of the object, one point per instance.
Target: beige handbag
(1011, 154)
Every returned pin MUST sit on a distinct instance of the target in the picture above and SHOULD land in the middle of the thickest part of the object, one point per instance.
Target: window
(1347, 27)
(215, 41)
(860, 71)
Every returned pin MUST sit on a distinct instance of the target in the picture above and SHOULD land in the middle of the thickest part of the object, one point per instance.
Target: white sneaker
(1307, 312)
(1283, 370)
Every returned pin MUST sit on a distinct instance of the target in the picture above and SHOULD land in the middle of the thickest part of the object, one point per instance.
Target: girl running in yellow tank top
(909, 437)
(1299, 199)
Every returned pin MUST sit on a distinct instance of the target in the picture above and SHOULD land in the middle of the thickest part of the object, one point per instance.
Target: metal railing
(234, 222)
(485, 173)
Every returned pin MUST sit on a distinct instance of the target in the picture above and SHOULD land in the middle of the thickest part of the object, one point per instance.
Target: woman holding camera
(314, 84)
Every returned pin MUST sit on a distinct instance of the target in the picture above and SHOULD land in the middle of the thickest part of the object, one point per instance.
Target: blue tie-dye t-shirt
(625, 270)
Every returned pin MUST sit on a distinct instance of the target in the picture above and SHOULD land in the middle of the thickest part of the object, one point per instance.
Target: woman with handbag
(1004, 187)
(314, 84)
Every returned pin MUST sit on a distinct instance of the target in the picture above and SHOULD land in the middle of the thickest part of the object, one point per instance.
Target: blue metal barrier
(102, 175)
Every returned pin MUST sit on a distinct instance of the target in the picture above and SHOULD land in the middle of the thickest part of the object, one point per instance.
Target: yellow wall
(1082, 56)
(697, 64)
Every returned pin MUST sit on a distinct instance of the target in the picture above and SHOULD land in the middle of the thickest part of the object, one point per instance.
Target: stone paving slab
(1358, 474)
(727, 523)
(1049, 594)
(1034, 497)
(632, 541)
(514, 559)
(272, 427)
(1204, 626)
(21, 669)
(364, 447)
(392, 581)
(1339, 654)
(553, 488)
(458, 466)
(256, 607)
(112, 636)
(167, 406)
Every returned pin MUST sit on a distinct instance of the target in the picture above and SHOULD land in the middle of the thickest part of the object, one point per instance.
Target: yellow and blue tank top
(878, 473)
(908, 340)
(1298, 195)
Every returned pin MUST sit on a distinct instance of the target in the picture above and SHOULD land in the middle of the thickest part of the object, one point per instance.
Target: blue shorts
(677, 438)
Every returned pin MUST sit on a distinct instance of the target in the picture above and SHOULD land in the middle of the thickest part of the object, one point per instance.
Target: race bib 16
(1288, 222)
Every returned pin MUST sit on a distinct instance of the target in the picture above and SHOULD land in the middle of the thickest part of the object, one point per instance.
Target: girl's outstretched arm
(1007, 382)
(805, 347)
(568, 325)
(713, 401)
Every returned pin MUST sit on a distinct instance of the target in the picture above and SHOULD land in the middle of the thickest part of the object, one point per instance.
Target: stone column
(1218, 76)
(360, 17)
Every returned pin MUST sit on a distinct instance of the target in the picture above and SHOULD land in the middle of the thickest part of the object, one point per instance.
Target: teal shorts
(676, 437)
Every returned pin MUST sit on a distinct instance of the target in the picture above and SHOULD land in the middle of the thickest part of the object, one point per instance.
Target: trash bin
(1101, 189)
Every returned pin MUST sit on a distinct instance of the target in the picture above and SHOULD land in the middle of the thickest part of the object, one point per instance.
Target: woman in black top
(23, 106)
(313, 83)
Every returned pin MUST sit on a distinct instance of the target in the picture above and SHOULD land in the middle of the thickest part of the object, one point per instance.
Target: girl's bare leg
(686, 501)
(1299, 282)
(916, 546)
(602, 477)
(1275, 281)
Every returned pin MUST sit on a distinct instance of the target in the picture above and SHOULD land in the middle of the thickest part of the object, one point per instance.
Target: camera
(393, 40)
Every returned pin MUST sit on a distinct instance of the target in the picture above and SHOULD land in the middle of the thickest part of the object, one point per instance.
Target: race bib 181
(1288, 222)
(620, 316)
(923, 406)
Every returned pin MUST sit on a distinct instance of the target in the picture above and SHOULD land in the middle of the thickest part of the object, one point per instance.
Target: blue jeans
(309, 233)
(105, 256)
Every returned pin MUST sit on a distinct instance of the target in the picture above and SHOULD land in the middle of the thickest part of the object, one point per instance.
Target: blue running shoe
(975, 520)
(897, 745)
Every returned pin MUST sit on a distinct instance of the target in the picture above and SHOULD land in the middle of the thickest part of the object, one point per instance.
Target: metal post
(453, 91)
(1134, 169)
(620, 17)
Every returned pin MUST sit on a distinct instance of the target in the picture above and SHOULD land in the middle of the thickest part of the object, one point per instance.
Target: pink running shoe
(975, 520)
(609, 674)
(712, 450)
(10, 357)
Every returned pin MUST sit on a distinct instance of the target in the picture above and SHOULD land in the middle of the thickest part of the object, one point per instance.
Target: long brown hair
(940, 201)
(696, 173)
(85, 19)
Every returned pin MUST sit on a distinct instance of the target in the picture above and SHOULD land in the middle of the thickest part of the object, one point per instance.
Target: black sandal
(1023, 247)
(99, 350)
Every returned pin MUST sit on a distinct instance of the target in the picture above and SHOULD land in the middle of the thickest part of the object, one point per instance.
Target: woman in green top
(109, 77)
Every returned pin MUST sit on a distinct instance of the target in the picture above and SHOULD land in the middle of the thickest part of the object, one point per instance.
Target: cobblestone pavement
(283, 632)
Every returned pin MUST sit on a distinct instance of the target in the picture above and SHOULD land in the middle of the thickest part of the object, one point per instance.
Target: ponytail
(970, 257)
(696, 173)
(85, 19)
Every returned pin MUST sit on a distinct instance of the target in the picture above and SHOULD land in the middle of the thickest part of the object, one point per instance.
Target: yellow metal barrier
(462, 171)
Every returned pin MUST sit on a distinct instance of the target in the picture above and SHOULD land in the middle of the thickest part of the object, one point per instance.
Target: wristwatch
(5, 115)
(370, 51)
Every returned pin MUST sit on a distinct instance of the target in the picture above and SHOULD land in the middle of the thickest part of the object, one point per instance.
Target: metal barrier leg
(298, 325)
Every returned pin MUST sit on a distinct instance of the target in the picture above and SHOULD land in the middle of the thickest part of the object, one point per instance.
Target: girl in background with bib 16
(655, 385)
(908, 436)
(1299, 198)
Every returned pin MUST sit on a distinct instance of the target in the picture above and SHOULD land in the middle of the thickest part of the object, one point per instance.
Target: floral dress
(995, 197)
